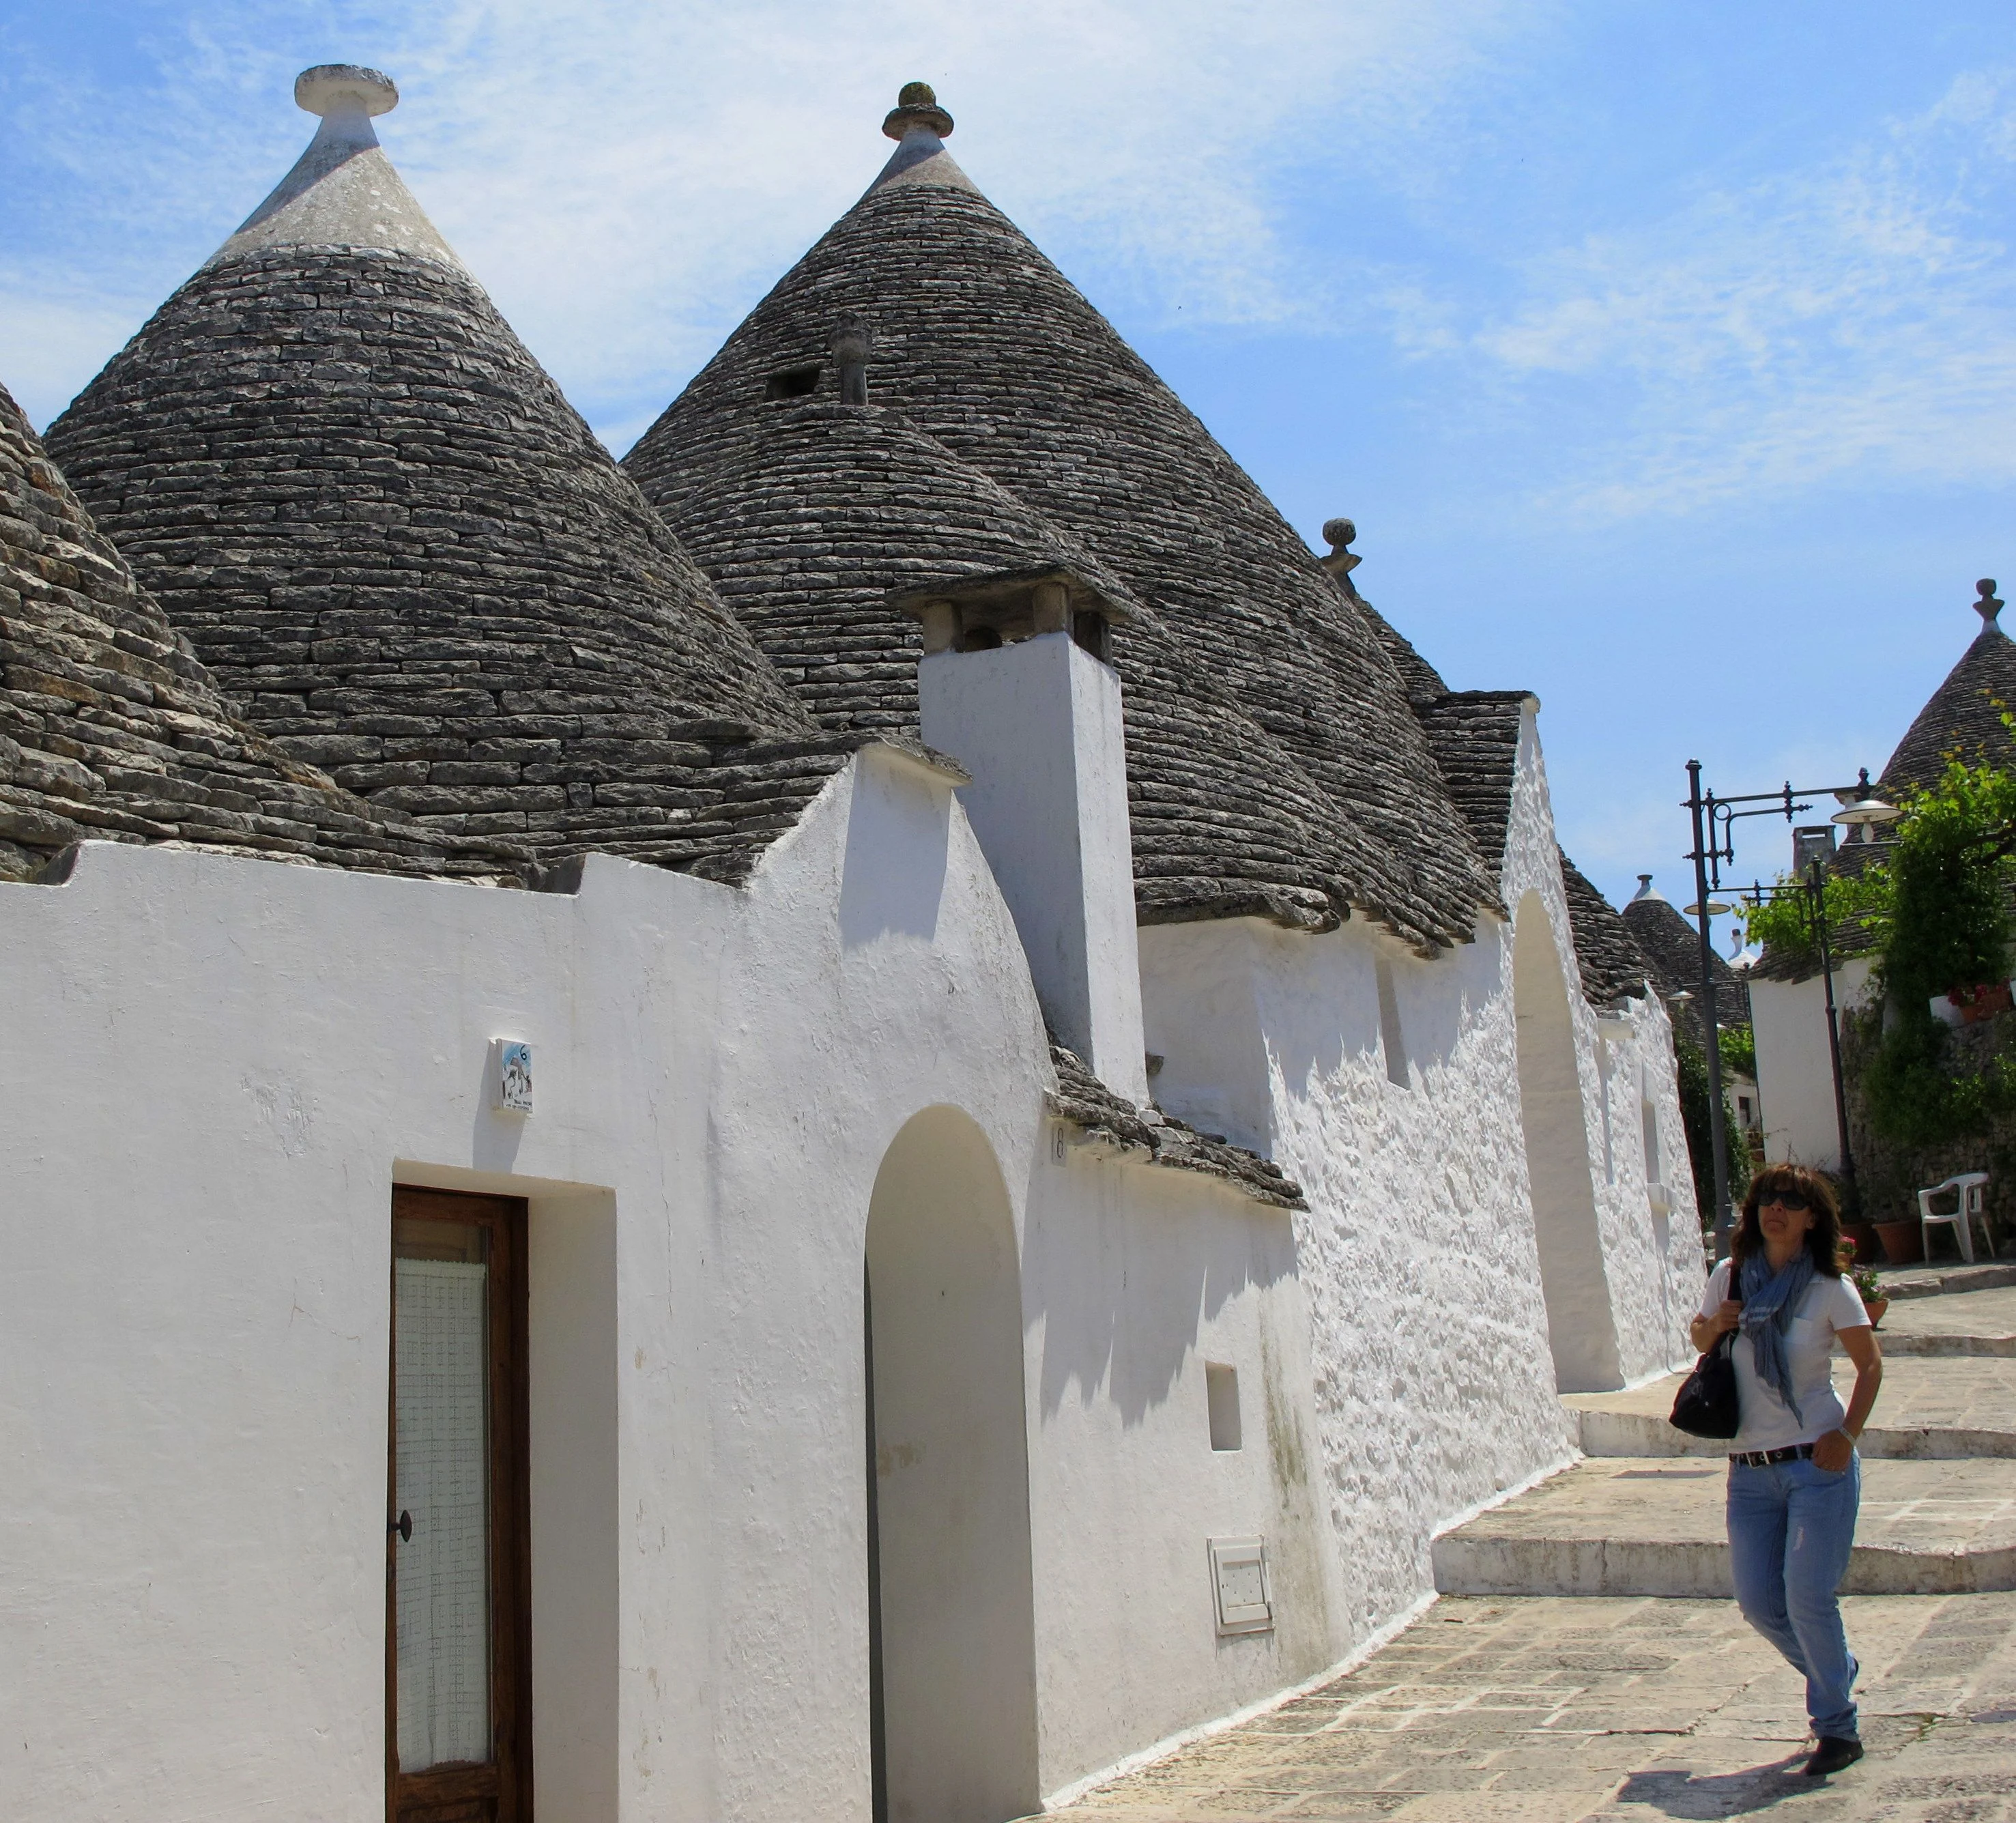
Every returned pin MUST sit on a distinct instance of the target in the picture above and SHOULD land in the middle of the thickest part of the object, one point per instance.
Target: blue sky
(1665, 354)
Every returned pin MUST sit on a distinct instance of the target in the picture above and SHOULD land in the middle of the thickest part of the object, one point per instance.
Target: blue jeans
(1791, 1527)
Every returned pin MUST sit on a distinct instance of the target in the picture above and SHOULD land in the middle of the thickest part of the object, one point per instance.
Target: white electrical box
(1238, 1578)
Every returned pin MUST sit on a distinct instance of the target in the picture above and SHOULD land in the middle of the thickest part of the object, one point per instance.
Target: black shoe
(1832, 1755)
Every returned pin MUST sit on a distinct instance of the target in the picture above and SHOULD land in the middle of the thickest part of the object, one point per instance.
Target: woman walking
(1794, 1480)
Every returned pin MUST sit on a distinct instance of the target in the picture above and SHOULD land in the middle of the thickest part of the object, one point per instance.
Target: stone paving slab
(1971, 1323)
(1580, 1710)
(1655, 1527)
(1935, 1281)
(1930, 1408)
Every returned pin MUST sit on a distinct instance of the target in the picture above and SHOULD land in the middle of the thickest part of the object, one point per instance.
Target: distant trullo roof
(111, 729)
(1297, 784)
(1964, 714)
(1672, 947)
(404, 554)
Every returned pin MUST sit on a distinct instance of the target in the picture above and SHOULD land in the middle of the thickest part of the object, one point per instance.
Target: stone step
(1931, 1408)
(1935, 1281)
(1656, 1528)
(1970, 1323)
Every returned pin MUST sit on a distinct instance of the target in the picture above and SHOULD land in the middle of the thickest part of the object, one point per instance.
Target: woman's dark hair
(1822, 1238)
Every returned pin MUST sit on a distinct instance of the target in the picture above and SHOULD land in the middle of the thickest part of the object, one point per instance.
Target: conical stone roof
(1963, 717)
(982, 344)
(111, 729)
(826, 511)
(402, 552)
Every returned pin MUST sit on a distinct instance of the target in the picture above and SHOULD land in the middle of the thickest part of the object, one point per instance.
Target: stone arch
(1582, 1329)
(951, 1624)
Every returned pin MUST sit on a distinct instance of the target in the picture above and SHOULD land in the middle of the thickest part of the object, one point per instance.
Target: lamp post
(1714, 833)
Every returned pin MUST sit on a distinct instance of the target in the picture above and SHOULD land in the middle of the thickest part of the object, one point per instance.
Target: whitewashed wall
(1134, 1278)
(1434, 1381)
(1794, 1069)
(212, 1071)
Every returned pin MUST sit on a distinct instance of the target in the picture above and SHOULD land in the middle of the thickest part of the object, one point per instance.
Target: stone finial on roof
(851, 341)
(1338, 534)
(920, 125)
(332, 89)
(1988, 607)
(342, 191)
(917, 110)
(1647, 890)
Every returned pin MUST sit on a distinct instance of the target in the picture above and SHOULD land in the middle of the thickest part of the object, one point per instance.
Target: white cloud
(1855, 319)
(627, 176)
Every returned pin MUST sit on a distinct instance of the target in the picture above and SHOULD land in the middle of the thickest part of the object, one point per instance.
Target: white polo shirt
(1830, 1304)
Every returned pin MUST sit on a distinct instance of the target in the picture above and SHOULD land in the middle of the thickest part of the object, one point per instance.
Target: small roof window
(793, 382)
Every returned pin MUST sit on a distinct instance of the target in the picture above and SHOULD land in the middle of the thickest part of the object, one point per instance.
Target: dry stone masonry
(980, 342)
(406, 558)
(110, 728)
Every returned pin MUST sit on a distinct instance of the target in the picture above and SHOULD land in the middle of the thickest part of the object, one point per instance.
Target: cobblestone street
(1555, 1710)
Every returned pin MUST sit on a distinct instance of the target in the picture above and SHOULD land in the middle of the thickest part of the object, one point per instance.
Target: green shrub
(1691, 1061)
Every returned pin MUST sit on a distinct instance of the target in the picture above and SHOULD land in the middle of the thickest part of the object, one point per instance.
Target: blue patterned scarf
(1770, 1301)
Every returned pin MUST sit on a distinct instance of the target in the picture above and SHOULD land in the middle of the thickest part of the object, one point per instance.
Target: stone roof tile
(403, 554)
(983, 344)
(110, 728)
(1963, 715)
(1611, 965)
(1088, 1104)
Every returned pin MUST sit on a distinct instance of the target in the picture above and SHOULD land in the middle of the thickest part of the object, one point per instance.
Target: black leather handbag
(1706, 1405)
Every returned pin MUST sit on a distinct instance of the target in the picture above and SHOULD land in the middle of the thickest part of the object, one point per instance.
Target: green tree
(1938, 907)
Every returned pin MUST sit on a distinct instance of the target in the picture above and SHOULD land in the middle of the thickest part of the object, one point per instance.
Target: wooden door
(458, 1635)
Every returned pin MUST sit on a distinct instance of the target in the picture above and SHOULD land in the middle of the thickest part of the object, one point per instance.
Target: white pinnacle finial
(342, 89)
(342, 191)
(1988, 607)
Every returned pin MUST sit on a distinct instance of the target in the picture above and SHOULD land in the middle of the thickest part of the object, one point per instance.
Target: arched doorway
(951, 1632)
(1581, 1328)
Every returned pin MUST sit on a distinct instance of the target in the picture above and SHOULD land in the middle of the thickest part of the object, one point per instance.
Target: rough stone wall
(1435, 1387)
(1889, 1173)
(1434, 1381)
(1652, 1261)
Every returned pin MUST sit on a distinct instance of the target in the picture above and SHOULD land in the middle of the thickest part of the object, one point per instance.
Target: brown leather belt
(1764, 1458)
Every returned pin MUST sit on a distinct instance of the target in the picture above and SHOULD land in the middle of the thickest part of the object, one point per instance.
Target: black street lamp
(1714, 820)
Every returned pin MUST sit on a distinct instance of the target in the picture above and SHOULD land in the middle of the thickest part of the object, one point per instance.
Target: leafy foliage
(1691, 1061)
(1939, 909)
(1783, 924)
(1738, 1050)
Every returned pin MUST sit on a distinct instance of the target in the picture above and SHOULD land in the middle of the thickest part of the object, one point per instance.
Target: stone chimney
(1037, 722)
(851, 342)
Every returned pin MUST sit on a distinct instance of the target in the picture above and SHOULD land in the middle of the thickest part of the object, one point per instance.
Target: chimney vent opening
(1093, 631)
(793, 382)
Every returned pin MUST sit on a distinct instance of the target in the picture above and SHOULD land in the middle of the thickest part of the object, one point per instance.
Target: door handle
(404, 1526)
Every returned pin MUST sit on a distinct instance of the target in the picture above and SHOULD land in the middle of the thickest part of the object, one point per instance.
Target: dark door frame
(499, 1791)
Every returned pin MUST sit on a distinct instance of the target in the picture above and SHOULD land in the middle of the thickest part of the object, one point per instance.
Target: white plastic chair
(1971, 1188)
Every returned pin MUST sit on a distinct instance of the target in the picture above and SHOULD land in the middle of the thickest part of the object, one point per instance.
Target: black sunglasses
(1795, 1200)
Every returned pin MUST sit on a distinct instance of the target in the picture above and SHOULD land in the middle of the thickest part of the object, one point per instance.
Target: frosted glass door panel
(441, 1454)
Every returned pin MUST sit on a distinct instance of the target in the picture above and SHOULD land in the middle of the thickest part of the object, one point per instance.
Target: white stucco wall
(212, 1072)
(1794, 1070)
(1434, 1381)
(1134, 1278)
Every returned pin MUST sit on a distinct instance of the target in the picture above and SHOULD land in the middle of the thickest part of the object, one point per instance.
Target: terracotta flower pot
(1876, 1307)
(1903, 1242)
